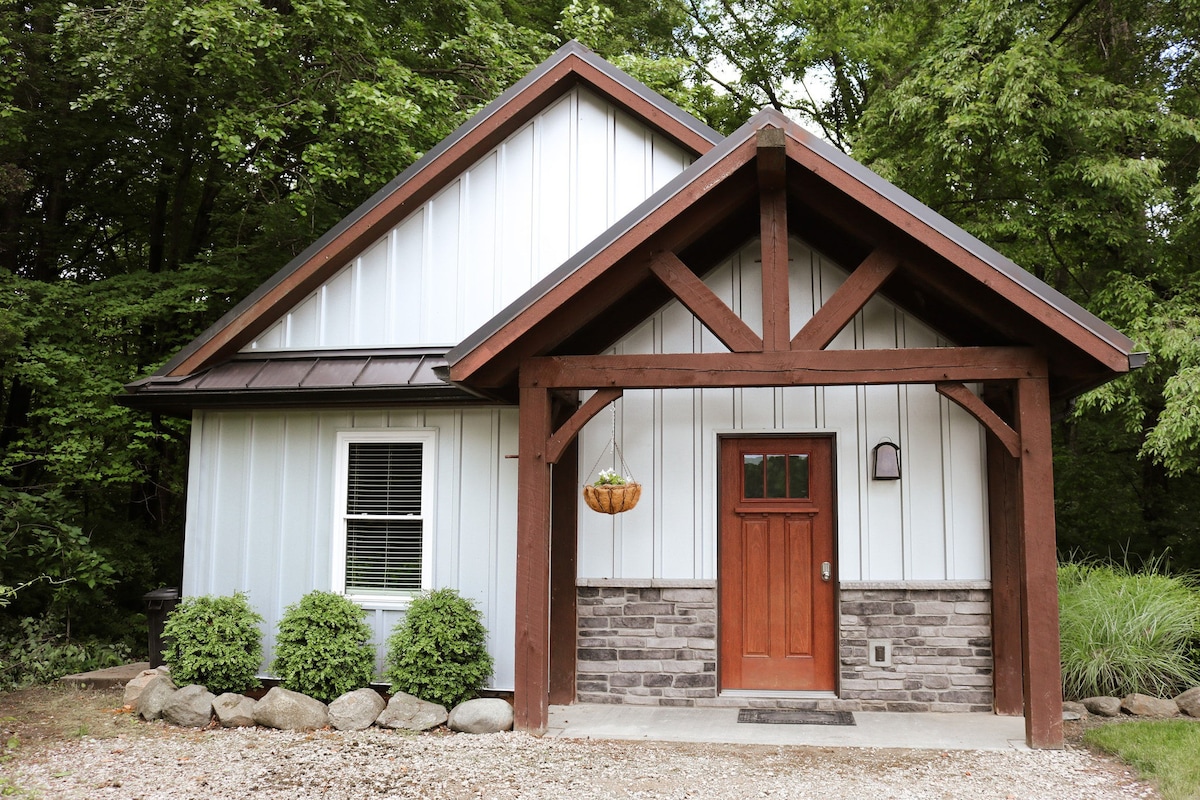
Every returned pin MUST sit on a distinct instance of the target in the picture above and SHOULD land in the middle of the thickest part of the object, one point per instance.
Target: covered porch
(1024, 344)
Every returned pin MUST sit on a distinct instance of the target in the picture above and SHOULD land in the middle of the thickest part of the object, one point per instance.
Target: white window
(383, 515)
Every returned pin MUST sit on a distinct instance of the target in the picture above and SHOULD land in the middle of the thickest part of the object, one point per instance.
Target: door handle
(826, 571)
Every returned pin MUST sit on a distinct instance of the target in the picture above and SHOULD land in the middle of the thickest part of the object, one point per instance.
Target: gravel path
(177, 764)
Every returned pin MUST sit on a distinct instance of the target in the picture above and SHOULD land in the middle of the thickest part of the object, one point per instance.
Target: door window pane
(776, 476)
(797, 476)
(752, 475)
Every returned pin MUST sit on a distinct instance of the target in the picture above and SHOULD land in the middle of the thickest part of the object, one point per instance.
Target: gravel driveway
(176, 764)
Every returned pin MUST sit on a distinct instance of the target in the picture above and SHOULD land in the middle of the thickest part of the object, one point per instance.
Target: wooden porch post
(1038, 567)
(1004, 537)
(564, 545)
(532, 657)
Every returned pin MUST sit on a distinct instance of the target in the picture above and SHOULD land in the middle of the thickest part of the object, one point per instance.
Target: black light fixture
(885, 461)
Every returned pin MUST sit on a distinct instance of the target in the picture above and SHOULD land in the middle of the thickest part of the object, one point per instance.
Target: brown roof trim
(571, 65)
(1085, 331)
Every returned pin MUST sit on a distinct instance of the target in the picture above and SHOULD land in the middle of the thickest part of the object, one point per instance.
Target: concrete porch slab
(872, 729)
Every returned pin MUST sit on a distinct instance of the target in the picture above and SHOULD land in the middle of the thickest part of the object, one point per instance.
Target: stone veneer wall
(941, 639)
(646, 642)
(653, 642)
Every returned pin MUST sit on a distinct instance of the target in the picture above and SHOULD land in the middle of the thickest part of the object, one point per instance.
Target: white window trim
(427, 437)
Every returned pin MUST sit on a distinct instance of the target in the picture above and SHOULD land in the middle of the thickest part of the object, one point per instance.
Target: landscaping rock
(286, 710)
(356, 711)
(1074, 711)
(234, 710)
(1189, 702)
(154, 697)
(484, 715)
(1103, 706)
(190, 707)
(409, 713)
(1143, 705)
(133, 689)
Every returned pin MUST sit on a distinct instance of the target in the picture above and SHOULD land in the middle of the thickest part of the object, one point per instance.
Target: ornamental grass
(1125, 632)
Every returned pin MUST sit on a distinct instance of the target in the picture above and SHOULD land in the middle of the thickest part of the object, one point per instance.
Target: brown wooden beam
(836, 312)
(969, 402)
(772, 187)
(1041, 659)
(567, 433)
(704, 303)
(531, 689)
(564, 547)
(1005, 556)
(790, 368)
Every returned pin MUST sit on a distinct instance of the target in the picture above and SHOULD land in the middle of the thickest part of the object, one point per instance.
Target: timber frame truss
(1025, 606)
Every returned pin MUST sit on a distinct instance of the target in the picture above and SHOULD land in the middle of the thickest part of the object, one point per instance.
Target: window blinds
(384, 518)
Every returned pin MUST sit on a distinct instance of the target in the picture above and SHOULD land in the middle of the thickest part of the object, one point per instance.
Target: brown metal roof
(394, 377)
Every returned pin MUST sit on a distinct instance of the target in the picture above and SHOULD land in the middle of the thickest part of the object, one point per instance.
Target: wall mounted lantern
(885, 461)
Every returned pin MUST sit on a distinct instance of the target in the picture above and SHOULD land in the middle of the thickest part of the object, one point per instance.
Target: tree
(158, 159)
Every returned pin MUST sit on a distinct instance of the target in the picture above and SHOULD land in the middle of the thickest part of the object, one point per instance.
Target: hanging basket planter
(612, 498)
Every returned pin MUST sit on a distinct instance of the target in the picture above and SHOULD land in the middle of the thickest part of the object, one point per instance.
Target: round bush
(214, 641)
(439, 651)
(323, 648)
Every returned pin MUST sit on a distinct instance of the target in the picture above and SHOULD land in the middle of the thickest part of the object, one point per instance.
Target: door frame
(833, 437)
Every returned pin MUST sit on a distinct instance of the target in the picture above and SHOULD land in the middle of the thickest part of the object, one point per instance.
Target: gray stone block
(405, 712)
(286, 710)
(234, 710)
(190, 707)
(356, 711)
(483, 715)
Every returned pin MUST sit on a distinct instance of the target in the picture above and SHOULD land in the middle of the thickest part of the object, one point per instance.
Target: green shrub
(214, 641)
(323, 648)
(439, 651)
(1126, 632)
(37, 651)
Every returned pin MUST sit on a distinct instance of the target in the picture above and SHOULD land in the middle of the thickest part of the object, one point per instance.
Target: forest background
(161, 158)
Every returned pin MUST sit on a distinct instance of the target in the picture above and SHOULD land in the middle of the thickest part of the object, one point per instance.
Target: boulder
(356, 711)
(1189, 702)
(1074, 711)
(290, 711)
(190, 707)
(133, 689)
(1103, 706)
(154, 697)
(1143, 705)
(409, 713)
(484, 715)
(234, 710)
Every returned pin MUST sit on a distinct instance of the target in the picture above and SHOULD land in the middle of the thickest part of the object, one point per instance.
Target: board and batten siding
(929, 526)
(504, 224)
(260, 516)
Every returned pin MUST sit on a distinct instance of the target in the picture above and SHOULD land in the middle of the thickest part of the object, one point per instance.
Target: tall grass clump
(1125, 632)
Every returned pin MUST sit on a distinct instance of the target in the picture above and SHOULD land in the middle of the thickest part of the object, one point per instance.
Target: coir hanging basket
(612, 498)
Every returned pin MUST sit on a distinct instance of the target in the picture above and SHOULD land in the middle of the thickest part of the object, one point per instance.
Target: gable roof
(570, 66)
(948, 278)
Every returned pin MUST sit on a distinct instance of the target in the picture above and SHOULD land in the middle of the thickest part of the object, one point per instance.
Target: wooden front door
(777, 572)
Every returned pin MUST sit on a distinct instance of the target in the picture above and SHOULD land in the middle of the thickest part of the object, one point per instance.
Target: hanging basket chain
(613, 498)
(615, 449)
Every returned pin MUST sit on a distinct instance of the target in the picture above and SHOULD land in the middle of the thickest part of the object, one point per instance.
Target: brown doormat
(794, 716)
